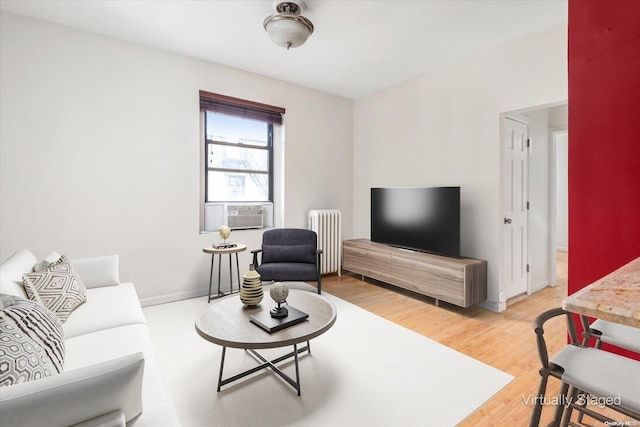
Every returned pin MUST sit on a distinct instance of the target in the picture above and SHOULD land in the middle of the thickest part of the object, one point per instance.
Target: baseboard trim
(494, 306)
(164, 299)
(539, 286)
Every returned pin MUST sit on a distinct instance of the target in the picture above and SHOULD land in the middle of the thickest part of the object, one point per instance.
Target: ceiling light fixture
(288, 27)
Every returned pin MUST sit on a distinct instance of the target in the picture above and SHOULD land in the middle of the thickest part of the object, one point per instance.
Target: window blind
(223, 104)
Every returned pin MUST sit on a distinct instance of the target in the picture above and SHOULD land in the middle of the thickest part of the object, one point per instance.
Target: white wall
(562, 196)
(559, 116)
(559, 122)
(443, 128)
(99, 152)
(539, 219)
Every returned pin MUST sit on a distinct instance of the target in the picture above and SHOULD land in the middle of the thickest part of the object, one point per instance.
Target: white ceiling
(358, 47)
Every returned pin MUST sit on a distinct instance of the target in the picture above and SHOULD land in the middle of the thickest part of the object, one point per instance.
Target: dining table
(614, 298)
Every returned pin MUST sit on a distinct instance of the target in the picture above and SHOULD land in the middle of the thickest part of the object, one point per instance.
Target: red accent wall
(604, 137)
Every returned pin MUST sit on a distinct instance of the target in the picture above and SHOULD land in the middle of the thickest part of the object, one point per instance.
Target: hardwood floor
(503, 340)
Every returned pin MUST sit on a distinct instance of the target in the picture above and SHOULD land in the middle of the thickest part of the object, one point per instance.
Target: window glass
(236, 130)
(238, 159)
(238, 187)
(233, 157)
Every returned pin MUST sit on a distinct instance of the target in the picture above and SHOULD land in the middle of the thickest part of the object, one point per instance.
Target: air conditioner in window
(238, 216)
(244, 216)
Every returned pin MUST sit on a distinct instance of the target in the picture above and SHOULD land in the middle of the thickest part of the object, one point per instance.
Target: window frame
(210, 211)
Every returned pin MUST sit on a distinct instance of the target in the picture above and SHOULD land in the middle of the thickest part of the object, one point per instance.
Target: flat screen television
(423, 219)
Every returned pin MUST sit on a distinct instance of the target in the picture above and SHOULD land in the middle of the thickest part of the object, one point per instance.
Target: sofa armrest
(76, 396)
(98, 271)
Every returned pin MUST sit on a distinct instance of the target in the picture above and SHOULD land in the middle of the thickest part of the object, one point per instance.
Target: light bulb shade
(288, 30)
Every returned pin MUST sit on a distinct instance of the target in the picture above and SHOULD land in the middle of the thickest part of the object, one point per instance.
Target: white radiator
(327, 225)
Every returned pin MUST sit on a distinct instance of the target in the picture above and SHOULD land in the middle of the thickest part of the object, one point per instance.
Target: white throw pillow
(50, 259)
(98, 271)
(11, 272)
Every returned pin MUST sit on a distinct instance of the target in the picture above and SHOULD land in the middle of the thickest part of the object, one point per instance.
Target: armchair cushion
(289, 253)
(281, 271)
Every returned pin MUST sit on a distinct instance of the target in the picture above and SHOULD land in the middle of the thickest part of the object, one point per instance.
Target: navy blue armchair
(289, 255)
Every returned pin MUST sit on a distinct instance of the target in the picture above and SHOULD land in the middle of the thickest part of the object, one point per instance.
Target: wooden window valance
(240, 107)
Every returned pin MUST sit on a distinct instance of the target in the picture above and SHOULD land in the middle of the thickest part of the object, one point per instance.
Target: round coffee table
(227, 322)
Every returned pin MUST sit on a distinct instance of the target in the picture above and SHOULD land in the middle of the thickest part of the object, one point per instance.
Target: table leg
(219, 268)
(213, 257)
(295, 356)
(271, 364)
(224, 351)
(238, 271)
(231, 277)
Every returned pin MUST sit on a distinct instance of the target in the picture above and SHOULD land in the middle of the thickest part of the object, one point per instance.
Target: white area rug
(365, 371)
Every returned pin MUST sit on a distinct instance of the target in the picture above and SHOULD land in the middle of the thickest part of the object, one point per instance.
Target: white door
(515, 207)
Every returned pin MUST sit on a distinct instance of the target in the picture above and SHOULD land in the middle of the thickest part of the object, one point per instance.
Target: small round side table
(221, 251)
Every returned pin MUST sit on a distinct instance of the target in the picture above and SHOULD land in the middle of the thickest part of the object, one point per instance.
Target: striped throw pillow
(32, 341)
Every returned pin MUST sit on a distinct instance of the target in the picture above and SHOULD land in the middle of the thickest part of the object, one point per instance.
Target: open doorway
(546, 248)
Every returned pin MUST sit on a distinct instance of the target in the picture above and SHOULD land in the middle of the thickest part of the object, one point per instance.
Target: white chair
(612, 379)
(611, 333)
(602, 331)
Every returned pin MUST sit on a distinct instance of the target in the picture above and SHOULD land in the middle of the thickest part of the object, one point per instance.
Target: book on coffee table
(224, 245)
(273, 324)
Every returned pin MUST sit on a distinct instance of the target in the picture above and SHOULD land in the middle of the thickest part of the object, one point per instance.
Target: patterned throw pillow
(21, 359)
(38, 323)
(57, 287)
(31, 341)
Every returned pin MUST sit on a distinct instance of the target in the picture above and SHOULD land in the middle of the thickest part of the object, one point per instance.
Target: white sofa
(110, 375)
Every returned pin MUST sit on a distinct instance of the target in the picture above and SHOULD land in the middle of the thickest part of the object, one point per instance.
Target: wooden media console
(459, 281)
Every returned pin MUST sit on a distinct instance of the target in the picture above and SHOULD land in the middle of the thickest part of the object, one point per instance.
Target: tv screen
(424, 219)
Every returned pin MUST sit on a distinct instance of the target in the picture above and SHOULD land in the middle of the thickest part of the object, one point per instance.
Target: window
(238, 158)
